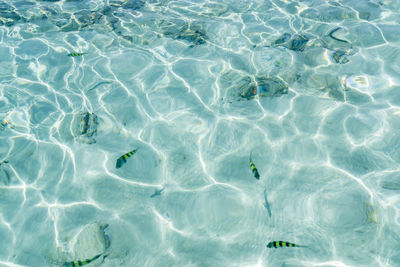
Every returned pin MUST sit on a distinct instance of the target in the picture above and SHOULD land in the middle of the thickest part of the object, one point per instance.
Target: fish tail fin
(302, 246)
(105, 255)
(119, 163)
(107, 250)
(266, 204)
(92, 259)
(251, 156)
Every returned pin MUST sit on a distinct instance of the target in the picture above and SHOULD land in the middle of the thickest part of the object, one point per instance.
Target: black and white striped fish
(282, 244)
(254, 169)
(81, 262)
(76, 54)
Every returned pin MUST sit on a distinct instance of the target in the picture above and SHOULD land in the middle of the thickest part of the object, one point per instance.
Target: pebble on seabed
(90, 241)
(340, 57)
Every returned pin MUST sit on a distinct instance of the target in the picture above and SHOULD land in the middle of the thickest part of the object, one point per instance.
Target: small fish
(330, 34)
(121, 160)
(266, 204)
(81, 262)
(281, 244)
(254, 169)
(157, 192)
(340, 57)
(4, 123)
(76, 54)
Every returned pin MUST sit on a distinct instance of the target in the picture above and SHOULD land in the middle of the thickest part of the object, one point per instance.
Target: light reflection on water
(309, 88)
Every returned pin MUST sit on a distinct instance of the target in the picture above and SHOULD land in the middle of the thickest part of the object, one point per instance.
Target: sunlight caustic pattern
(309, 89)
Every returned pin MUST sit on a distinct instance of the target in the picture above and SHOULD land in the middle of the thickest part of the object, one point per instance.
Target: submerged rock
(194, 35)
(295, 43)
(63, 20)
(191, 33)
(66, 21)
(90, 243)
(8, 16)
(85, 127)
(86, 18)
(298, 43)
(264, 87)
(340, 57)
(128, 4)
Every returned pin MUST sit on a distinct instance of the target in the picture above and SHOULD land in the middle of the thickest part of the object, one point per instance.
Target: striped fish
(254, 169)
(76, 54)
(81, 262)
(122, 160)
(282, 244)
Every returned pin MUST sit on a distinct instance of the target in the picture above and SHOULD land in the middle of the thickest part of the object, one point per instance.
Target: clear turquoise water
(167, 77)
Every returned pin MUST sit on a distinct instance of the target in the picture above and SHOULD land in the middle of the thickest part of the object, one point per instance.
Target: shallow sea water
(182, 82)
